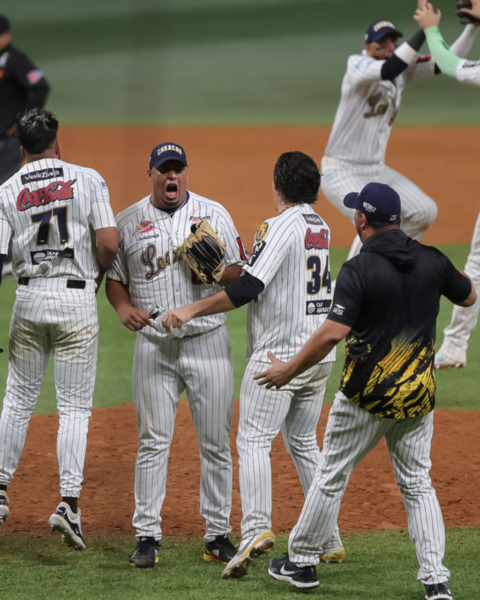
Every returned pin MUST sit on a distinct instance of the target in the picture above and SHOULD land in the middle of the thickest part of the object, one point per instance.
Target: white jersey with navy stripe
(52, 209)
(291, 258)
(149, 263)
(368, 108)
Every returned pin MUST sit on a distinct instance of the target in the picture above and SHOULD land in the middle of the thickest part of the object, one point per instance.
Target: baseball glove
(204, 251)
(464, 18)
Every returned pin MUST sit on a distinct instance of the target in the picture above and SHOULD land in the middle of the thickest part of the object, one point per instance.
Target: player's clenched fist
(177, 318)
(133, 318)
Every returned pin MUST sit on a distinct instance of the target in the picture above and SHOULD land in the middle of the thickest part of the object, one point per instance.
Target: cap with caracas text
(378, 202)
(167, 151)
(378, 29)
(4, 24)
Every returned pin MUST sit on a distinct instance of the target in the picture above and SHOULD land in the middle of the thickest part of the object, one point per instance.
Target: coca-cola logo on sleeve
(57, 190)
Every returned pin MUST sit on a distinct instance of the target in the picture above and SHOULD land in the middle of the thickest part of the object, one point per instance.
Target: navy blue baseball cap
(378, 29)
(167, 151)
(378, 202)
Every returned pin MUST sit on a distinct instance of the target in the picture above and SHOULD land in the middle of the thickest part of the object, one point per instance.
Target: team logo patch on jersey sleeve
(57, 190)
(318, 307)
(34, 76)
(261, 232)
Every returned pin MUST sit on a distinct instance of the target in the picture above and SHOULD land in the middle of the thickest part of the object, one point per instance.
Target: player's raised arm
(449, 59)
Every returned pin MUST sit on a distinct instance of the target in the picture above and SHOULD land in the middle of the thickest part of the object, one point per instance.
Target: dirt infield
(372, 500)
(234, 166)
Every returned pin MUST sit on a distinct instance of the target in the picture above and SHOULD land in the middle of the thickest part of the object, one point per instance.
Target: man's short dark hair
(297, 178)
(37, 130)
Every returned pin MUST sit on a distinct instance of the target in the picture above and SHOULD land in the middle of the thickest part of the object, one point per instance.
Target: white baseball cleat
(248, 550)
(4, 510)
(68, 523)
(447, 360)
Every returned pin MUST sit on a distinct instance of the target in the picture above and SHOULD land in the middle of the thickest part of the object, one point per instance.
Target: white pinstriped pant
(350, 435)
(48, 318)
(464, 320)
(340, 178)
(162, 370)
(295, 410)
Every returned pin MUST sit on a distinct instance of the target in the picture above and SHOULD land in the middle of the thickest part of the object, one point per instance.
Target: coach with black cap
(22, 87)
(386, 303)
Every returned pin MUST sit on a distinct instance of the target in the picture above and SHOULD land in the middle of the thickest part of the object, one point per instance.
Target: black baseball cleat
(68, 523)
(146, 553)
(219, 550)
(438, 591)
(303, 578)
(4, 510)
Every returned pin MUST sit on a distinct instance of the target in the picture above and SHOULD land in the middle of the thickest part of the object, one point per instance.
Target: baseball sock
(72, 502)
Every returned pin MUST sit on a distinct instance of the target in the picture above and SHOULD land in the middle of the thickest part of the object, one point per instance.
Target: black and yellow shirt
(390, 296)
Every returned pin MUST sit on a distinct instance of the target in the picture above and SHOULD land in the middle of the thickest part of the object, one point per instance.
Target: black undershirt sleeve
(244, 290)
(394, 66)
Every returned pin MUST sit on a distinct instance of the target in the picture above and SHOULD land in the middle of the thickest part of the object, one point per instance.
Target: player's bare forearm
(318, 346)
(212, 305)
(118, 295)
(231, 274)
(107, 246)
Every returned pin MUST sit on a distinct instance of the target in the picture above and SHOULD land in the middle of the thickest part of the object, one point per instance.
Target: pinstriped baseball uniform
(291, 258)
(355, 153)
(199, 363)
(52, 209)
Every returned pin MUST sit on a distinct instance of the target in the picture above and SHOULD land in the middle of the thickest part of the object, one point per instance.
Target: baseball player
(386, 303)
(63, 230)
(148, 271)
(372, 90)
(453, 351)
(289, 276)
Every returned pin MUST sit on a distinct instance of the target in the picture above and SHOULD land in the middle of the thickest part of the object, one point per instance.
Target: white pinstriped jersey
(468, 71)
(148, 262)
(52, 209)
(368, 108)
(291, 258)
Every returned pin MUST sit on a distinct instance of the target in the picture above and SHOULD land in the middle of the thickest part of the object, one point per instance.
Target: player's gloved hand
(278, 375)
(468, 11)
(133, 318)
(204, 251)
(177, 317)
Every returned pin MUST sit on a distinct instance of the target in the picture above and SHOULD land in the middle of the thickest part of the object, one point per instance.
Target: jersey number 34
(318, 279)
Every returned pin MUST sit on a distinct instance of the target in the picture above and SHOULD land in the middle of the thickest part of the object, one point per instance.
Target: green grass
(456, 388)
(219, 61)
(379, 565)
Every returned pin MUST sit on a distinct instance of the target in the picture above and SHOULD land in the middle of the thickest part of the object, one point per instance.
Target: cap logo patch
(170, 147)
(383, 24)
(369, 207)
